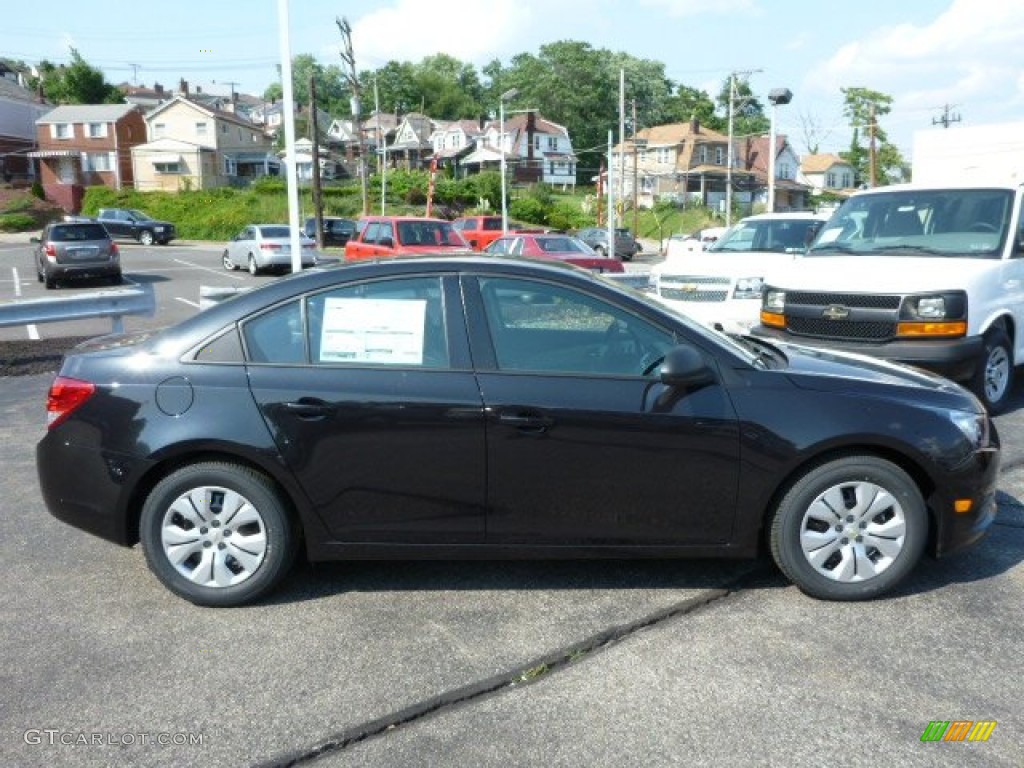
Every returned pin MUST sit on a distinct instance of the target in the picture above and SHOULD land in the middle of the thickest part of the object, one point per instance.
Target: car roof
(788, 215)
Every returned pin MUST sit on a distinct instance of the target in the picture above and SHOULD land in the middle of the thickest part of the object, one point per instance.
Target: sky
(964, 58)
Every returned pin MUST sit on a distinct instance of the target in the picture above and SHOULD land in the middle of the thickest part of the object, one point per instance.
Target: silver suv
(626, 246)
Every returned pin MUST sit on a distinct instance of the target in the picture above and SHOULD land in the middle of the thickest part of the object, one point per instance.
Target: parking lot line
(221, 272)
(186, 301)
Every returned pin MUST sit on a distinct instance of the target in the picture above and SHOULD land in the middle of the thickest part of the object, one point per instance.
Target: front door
(585, 446)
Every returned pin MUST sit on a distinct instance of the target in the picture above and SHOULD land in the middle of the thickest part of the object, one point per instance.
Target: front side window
(540, 327)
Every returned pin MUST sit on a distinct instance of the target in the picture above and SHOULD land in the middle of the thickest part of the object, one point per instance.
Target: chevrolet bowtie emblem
(835, 312)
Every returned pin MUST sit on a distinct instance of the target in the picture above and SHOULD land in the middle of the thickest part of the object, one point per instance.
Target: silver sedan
(260, 247)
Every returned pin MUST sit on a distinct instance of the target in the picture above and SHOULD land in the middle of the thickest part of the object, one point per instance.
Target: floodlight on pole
(511, 93)
(776, 96)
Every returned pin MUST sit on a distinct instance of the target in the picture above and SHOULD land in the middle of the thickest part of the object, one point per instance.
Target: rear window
(274, 231)
(66, 233)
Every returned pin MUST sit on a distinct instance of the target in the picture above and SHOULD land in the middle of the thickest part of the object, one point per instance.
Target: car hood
(832, 371)
(724, 264)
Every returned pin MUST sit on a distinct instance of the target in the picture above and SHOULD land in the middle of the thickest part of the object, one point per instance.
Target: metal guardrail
(114, 303)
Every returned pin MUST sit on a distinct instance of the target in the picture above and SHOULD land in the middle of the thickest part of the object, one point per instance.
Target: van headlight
(774, 301)
(749, 288)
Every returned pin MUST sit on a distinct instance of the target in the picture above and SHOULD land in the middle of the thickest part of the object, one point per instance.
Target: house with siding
(535, 149)
(85, 145)
(826, 172)
(754, 156)
(19, 110)
(193, 145)
(683, 162)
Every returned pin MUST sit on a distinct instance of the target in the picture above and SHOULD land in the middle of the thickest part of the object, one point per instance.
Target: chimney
(531, 129)
(694, 125)
(183, 87)
(158, 88)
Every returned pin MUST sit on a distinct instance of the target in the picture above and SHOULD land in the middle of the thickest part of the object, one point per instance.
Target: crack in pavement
(525, 674)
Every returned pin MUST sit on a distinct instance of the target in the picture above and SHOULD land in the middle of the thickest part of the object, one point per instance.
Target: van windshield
(963, 223)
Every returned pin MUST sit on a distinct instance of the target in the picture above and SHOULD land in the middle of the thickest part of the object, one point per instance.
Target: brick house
(85, 145)
(790, 194)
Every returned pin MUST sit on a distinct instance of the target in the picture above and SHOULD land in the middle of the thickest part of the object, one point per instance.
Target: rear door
(368, 392)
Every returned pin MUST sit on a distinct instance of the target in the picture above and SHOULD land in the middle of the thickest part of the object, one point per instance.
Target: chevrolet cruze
(448, 407)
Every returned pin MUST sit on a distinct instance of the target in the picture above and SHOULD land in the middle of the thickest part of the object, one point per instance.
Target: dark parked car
(74, 250)
(626, 246)
(336, 231)
(480, 406)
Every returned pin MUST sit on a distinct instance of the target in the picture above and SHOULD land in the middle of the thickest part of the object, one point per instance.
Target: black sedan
(474, 407)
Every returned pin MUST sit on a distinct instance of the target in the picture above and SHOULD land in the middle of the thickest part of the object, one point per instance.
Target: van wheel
(993, 381)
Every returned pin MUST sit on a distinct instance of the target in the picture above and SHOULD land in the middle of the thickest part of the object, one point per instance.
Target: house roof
(674, 134)
(820, 163)
(87, 113)
(9, 89)
(219, 114)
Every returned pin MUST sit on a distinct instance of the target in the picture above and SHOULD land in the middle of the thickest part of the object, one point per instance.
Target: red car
(554, 246)
(398, 235)
(481, 231)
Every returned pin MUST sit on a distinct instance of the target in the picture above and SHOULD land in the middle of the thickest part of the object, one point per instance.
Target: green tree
(863, 108)
(332, 93)
(75, 83)
(748, 117)
(688, 103)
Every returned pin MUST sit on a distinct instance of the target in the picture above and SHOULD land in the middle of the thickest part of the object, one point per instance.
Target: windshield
(772, 235)
(970, 223)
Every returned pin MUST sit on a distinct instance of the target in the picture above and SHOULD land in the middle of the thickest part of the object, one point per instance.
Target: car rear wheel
(849, 529)
(146, 237)
(600, 251)
(50, 282)
(227, 262)
(217, 534)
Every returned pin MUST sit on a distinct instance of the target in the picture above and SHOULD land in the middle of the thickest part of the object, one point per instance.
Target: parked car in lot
(135, 225)
(398, 235)
(336, 230)
(260, 247)
(75, 250)
(722, 284)
(481, 231)
(487, 407)
(626, 246)
(565, 248)
(689, 242)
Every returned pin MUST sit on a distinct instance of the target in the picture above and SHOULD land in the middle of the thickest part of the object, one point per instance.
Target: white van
(929, 275)
(721, 285)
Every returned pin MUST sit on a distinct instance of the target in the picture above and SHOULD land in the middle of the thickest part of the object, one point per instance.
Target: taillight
(114, 251)
(65, 396)
(270, 247)
(51, 251)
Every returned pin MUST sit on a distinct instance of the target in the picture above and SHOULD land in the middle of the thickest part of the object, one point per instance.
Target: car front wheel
(253, 269)
(849, 529)
(217, 534)
(146, 237)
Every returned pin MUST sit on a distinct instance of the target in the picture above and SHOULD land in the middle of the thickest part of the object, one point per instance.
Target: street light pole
(776, 96)
(511, 93)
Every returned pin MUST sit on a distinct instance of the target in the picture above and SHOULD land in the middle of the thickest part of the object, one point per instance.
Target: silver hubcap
(214, 537)
(227, 262)
(997, 372)
(853, 531)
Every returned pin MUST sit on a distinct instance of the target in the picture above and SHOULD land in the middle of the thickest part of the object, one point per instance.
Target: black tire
(213, 495)
(837, 537)
(253, 269)
(993, 381)
(600, 250)
(116, 279)
(146, 237)
(226, 261)
(50, 282)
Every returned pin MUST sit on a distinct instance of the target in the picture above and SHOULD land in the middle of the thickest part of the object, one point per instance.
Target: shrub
(38, 191)
(17, 222)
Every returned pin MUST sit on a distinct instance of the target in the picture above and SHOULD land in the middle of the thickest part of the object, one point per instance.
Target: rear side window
(66, 233)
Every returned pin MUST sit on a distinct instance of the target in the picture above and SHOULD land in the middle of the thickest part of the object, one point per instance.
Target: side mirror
(685, 367)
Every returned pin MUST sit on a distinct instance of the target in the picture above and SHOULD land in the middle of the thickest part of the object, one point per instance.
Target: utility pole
(314, 129)
(634, 171)
(622, 140)
(730, 151)
(352, 77)
(947, 117)
(872, 160)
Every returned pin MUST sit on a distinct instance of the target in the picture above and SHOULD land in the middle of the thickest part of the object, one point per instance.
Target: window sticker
(386, 331)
